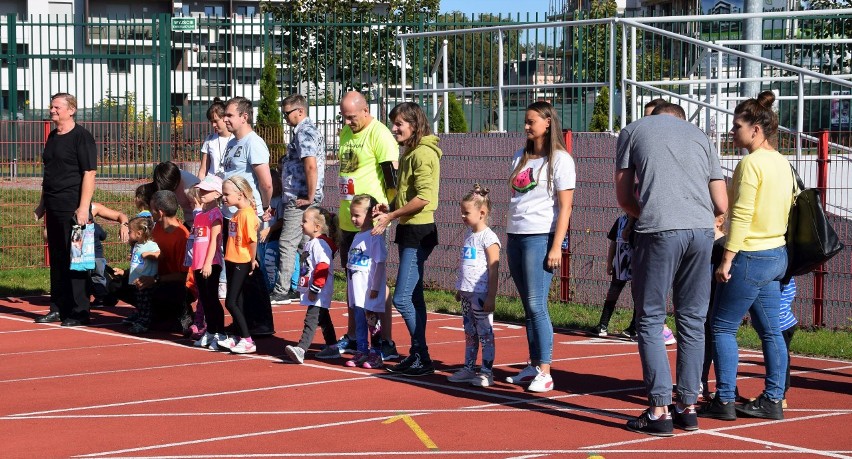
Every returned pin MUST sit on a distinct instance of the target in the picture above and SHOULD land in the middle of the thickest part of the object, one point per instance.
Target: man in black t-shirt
(70, 162)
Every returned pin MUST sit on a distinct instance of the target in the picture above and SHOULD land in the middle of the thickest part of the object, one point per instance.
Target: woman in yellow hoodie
(414, 205)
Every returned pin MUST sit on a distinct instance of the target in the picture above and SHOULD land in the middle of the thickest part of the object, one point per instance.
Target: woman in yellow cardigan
(754, 261)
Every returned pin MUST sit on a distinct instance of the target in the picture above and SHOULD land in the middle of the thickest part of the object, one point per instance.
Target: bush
(458, 123)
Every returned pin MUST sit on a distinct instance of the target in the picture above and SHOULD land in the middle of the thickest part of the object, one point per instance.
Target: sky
(497, 6)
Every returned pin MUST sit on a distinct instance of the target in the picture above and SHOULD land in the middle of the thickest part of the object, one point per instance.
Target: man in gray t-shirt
(681, 189)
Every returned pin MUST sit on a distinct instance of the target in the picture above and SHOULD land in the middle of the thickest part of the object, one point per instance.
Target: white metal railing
(630, 57)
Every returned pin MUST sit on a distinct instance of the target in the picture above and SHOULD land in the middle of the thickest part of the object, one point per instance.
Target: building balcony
(105, 32)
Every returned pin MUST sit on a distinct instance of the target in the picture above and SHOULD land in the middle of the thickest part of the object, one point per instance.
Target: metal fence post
(13, 91)
(822, 186)
(165, 72)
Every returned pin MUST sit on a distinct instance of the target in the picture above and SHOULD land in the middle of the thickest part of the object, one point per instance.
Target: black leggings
(208, 297)
(237, 273)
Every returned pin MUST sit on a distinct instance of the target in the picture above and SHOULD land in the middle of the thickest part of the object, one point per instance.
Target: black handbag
(811, 241)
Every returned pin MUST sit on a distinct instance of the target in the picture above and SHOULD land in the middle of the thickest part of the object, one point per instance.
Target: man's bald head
(355, 111)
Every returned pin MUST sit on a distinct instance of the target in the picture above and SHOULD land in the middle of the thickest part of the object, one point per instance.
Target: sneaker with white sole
(345, 345)
(279, 298)
(465, 375)
(484, 379)
(543, 382)
(668, 336)
(222, 291)
(389, 351)
(227, 342)
(524, 377)
(295, 353)
(245, 346)
(330, 352)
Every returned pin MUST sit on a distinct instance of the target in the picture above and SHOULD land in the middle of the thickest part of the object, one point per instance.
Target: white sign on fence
(184, 24)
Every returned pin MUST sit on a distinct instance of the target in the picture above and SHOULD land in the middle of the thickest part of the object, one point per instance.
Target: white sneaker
(244, 347)
(524, 377)
(223, 290)
(541, 383)
(484, 379)
(295, 353)
(462, 376)
(228, 343)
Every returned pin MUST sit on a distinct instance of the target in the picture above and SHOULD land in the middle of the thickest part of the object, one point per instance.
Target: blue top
(786, 317)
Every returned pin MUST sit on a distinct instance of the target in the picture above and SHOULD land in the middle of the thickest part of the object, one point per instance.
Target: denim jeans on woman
(527, 254)
(408, 296)
(753, 288)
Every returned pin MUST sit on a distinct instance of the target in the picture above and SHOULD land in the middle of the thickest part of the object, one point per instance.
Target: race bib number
(202, 234)
(357, 259)
(347, 188)
(468, 254)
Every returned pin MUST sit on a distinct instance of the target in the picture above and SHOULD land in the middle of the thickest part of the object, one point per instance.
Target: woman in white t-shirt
(542, 182)
(213, 148)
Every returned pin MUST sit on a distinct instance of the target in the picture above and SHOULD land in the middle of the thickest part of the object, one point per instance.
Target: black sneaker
(421, 366)
(279, 298)
(718, 410)
(762, 407)
(662, 427)
(294, 296)
(600, 330)
(687, 420)
(403, 365)
(389, 350)
(629, 333)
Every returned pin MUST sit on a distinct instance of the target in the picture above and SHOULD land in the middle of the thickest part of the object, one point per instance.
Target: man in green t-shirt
(368, 160)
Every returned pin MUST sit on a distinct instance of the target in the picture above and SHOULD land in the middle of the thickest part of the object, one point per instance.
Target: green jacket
(419, 176)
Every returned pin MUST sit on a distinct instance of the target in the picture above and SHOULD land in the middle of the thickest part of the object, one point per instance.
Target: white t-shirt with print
(535, 211)
(473, 269)
(316, 251)
(214, 147)
(364, 255)
(142, 266)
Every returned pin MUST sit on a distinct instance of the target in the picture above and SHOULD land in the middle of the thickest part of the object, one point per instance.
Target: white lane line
(44, 329)
(189, 397)
(117, 371)
(708, 431)
(767, 443)
(236, 436)
(392, 412)
(527, 453)
(64, 349)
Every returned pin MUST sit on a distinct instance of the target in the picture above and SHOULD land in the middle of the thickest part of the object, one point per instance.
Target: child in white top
(476, 287)
(143, 262)
(316, 281)
(367, 283)
(213, 148)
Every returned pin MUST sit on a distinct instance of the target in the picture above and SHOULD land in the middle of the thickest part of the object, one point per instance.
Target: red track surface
(99, 392)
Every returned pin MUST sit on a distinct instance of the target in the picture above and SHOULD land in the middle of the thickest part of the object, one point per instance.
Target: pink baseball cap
(210, 183)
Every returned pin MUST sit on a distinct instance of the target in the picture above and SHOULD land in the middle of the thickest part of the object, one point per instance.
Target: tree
(473, 58)
(833, 59)
(458, 123)
(268, 123)
(600, 112)
(592, 45)
(319, 37)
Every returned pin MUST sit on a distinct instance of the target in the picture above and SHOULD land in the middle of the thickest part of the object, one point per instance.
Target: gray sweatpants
(677, 260)
(288, 245)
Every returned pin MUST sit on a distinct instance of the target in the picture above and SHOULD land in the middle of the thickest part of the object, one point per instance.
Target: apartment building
(106, 51)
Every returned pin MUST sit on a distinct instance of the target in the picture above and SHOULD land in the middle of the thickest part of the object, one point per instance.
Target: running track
(97, 392)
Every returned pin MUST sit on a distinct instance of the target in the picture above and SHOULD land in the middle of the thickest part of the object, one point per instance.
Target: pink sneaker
(374, 361)
(357, 360)
(668, 336)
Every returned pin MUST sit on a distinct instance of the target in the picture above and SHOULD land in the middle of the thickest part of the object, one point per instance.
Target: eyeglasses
(288, 112)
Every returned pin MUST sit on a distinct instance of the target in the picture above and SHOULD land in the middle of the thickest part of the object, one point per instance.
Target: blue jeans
(527, 254)
(676, 260)
(408, 296)
(754, 288)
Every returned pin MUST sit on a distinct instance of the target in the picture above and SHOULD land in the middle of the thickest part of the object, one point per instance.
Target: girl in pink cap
(207, 260)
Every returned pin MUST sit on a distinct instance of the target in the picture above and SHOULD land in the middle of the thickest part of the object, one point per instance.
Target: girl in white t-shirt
(542, 182)
(316, 280)
(144, 254)
(365, 268)
(213, 148)
(476, 287)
